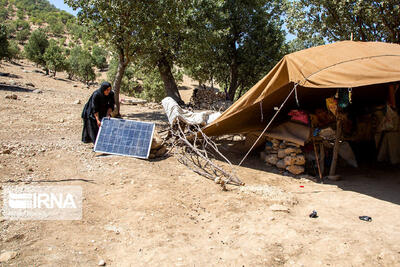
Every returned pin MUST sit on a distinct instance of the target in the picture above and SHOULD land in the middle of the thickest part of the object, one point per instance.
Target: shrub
(54, 57)
(22, 35)
(36, 47)
(3, 42)
(99, 57)
(14, 52)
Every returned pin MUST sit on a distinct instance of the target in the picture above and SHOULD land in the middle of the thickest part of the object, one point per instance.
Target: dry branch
(197, 151)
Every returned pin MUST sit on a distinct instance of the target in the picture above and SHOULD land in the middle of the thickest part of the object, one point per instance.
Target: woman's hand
(98, 123)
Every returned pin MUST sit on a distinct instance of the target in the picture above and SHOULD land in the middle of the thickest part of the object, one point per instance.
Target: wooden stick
(322, 157)
(336, 146)
(316, 157)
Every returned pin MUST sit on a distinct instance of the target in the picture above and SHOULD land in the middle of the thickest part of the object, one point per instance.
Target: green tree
(57, 29)
(73, 62)
(20, 14)
(117, 23)
(3, 14)
(54, 57)
(22, 25)
(3, 42)
(324, 20)
(36, 47)
(22, 35)
(167, 24)
(238, 43)
(85, 67)
(99, 56)
(14, 52)
(80, 65)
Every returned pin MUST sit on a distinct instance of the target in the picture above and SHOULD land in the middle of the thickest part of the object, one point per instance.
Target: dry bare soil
(159, 213)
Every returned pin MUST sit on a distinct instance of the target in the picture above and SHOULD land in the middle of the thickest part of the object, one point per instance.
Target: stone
(13, 96)
(37, 91)
(290, 150)
(281, 164)
(293, 144)
(12, 82)
(30, 84)
(271, 159)
(102, 263)
(300, 160)
(281, 153)
(6, 151)
(161, 151)
(8, 255)
(289, 160)
(277, 207)
(295, 169)
(282, 145)
(157, 142)
(75, 85)
(77, 102)
(61, 120)
(275, 142)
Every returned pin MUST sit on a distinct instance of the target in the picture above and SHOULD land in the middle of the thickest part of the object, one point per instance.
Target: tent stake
(266, 127)
(332, 171)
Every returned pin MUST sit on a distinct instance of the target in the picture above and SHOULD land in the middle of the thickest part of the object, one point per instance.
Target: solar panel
(124, 137)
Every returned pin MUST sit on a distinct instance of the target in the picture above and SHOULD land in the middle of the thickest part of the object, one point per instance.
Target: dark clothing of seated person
(100, 105)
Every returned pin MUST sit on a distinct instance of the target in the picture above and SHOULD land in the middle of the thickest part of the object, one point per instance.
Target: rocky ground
(151, 213)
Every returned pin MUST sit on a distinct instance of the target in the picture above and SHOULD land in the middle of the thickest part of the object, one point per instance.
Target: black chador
(99, 106)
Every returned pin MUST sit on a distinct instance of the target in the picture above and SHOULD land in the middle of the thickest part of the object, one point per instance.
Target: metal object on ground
(124, 137)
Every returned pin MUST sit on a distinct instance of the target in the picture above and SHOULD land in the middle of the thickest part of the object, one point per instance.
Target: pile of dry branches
(198, 152)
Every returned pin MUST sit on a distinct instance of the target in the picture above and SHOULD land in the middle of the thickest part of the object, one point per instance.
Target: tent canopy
(318, 71)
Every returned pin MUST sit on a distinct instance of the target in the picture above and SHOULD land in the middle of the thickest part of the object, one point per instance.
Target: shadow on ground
(155, 116)
(376, 180)
(381, 181)
(12, 88)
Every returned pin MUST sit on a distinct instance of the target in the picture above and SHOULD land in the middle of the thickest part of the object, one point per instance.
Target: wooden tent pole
(318, 164)
(332, 171)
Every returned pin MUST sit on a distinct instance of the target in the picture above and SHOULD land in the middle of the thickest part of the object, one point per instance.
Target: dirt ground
(159, 213)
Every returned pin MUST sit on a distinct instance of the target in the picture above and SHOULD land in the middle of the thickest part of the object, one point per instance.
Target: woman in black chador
(100, 105)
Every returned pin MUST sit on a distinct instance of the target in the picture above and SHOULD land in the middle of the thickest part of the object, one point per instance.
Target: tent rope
(296, 96)
(266, 127)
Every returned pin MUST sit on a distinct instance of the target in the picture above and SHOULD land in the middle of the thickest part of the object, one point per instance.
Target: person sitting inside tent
(100, 105)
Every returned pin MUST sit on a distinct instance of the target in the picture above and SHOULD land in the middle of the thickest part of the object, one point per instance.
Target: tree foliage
(324, 20)
(79, 65)
(140, 81)
(36, 47)
(3, 42)
(99, 56)
(238, 43)
(55, 58)
(14, 52)
(22, 35)
(117, 23)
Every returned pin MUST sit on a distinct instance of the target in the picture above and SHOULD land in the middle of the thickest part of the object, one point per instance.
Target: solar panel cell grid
(125, 137)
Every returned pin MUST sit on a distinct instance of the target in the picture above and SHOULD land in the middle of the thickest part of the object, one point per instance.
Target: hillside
(157, 212)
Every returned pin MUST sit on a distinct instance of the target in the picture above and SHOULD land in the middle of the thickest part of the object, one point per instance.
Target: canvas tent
(316, 72)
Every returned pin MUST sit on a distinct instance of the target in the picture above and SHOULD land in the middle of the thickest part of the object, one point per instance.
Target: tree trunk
(122, 63)
(234, 73)
(169, 81)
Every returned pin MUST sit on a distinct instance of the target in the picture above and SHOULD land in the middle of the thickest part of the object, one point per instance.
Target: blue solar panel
(125, 137)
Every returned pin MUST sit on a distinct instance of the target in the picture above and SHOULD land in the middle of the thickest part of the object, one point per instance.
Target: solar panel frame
(120, 139)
